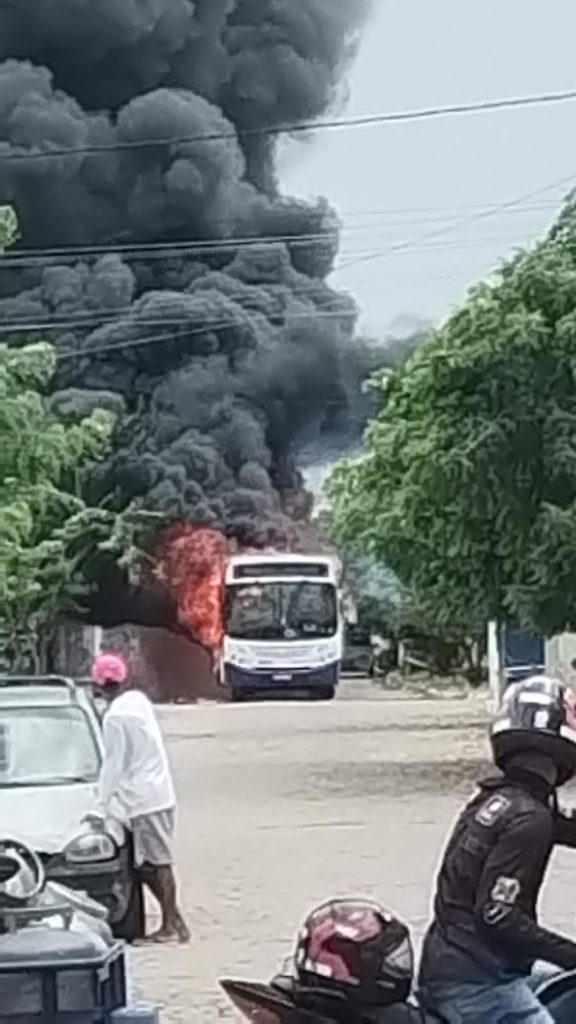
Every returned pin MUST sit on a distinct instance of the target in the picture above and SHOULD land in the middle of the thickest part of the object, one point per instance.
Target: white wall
(560, 651)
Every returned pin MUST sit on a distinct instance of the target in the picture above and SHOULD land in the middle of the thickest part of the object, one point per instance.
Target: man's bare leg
(162, 885)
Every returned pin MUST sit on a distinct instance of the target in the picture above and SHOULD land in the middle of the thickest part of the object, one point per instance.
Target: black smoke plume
(225, 348)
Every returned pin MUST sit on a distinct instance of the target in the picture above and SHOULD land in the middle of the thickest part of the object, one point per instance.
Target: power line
(387, 221)
(20, 257)
(219, 244)
(100, 318)
(321, 296)
(414, 243)
(112, 316)
(355, 254)
(87, 321)
(142, 251)
(147, 250)
(452, 208)
(89, 352)
(125, 316)
(184, 335)
(368, 252)
(365, 121)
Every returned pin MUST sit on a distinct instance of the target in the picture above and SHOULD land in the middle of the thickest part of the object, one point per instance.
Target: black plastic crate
(63, 991)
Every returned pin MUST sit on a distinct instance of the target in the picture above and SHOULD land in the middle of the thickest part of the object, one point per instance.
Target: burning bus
(283, 625)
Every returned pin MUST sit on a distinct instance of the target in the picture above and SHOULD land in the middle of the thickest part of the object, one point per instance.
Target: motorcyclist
(485, 938)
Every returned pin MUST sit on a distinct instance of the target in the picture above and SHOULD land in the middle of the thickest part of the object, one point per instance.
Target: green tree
(467, 485)
(8, 227)
(47, 531)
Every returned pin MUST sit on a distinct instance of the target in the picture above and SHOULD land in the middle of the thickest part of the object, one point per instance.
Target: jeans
(509, 1003)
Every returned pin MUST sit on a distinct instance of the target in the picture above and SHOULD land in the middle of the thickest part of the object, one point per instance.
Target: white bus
(283, 627)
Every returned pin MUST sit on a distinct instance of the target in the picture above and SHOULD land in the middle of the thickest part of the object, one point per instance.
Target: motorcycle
(58, 958)
(283, 1002)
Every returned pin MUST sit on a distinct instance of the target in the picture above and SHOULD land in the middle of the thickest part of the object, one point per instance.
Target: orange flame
(192, 562)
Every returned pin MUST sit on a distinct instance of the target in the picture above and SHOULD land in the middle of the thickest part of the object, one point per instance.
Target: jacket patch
(492, 810)
(494, 913)
(505, 890)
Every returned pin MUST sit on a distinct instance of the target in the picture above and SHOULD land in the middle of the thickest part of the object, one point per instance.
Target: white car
(50, 762)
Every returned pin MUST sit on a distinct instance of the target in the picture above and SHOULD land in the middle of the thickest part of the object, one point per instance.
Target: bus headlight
(243, 657)
(325, 654)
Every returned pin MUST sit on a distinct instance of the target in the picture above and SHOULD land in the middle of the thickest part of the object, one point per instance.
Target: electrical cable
(466, 222)
(182, 336)
(364, 121)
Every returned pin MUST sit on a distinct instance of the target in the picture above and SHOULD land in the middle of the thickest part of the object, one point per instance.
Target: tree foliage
(467, 485)
(8, 227)
(50, 538)
(47, 531)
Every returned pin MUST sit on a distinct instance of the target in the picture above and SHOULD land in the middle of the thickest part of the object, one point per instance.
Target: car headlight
(96, 846)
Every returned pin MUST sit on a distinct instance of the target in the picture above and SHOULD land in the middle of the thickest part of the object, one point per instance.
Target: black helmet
(537, 714)
(354, 953)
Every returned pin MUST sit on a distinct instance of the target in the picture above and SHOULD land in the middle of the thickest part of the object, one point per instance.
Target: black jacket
(485, 926)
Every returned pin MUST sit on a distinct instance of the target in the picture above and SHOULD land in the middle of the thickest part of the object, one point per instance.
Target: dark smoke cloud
(223, 360)
(261, 61)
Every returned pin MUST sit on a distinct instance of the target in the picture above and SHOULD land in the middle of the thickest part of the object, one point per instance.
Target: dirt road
(282, 805)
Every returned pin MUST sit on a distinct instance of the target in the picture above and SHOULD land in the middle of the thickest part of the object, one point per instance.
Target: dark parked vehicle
(358, 653)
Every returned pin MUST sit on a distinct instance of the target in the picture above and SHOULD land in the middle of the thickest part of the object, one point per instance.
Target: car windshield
(46, 746)
(281, 611)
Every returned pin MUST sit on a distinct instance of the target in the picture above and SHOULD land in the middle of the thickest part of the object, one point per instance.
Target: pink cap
(109, 668)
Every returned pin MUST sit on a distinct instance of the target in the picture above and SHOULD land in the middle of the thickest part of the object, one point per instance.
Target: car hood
(46, 818)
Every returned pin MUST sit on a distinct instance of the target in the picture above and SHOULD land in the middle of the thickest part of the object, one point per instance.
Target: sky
(395, 186)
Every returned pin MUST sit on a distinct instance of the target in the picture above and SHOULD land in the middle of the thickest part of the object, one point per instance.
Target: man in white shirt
(136, 777)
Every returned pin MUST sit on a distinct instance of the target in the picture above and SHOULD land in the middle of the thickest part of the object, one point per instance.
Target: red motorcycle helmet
(353, 951)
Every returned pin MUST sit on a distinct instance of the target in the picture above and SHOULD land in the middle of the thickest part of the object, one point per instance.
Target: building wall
(167, 667)
(560, 651)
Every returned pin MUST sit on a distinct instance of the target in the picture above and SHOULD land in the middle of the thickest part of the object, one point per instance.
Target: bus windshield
(281, 611)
